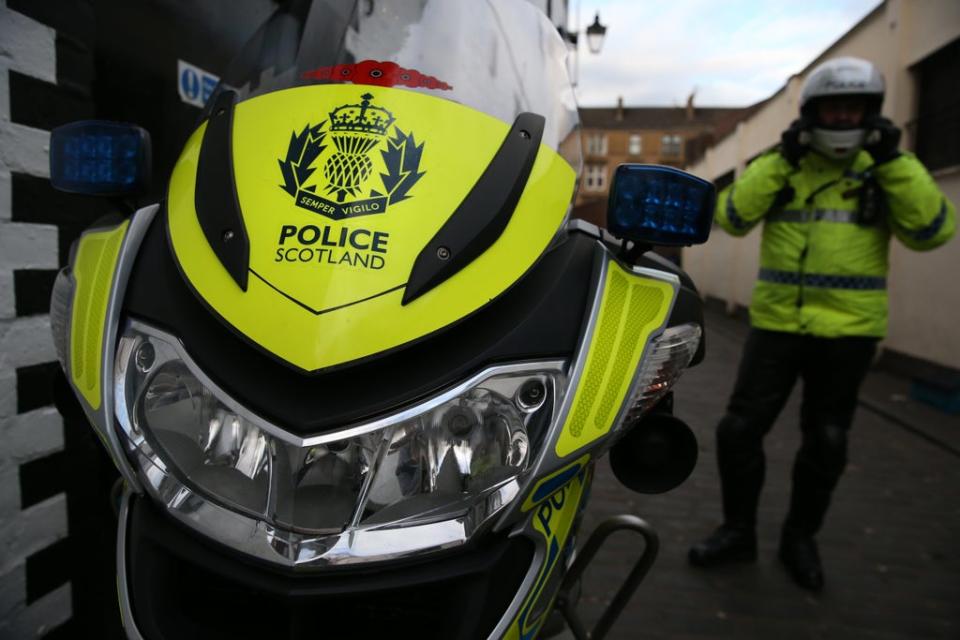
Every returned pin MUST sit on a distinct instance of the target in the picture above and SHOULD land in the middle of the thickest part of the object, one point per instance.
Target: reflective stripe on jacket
(823, 268)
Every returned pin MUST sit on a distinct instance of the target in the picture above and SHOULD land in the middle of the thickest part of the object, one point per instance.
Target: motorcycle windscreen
(348, 161)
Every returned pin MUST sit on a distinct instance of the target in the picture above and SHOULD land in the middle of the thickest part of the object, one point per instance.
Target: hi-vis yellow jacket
(823, 267)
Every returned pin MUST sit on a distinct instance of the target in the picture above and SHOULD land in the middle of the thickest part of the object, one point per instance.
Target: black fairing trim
(183, 587)
(539, 317)
(215, 198)
(484, 213)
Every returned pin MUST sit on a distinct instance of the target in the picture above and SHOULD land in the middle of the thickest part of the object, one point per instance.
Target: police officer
(830, 196)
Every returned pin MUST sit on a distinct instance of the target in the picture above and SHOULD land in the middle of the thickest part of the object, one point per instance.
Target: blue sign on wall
(194, 84)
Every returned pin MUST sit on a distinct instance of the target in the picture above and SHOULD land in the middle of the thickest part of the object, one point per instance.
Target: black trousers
(832, 370)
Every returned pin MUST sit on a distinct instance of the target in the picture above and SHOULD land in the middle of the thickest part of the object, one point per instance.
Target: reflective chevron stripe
(933, 228)
(823, 281)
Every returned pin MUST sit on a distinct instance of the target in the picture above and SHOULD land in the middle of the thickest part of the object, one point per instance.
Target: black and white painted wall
(33, 514)
(60, 61)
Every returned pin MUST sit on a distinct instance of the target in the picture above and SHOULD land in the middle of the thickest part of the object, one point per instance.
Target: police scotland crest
(342, 149)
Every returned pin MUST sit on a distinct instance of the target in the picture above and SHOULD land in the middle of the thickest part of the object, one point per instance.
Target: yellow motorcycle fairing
(552, 522)
(93, 271)
(632, 308)
(340, 188)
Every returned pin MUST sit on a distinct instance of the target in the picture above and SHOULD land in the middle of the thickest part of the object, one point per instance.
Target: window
(937, 126)
(670, 146)
(597, 144)
(595, 177)
(636, 145)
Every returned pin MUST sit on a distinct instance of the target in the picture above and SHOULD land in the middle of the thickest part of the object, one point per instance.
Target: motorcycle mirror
(657, 455)
(657, 205)
(96, 157)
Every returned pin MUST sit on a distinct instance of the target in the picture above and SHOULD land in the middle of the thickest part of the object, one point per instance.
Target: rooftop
(627, 117)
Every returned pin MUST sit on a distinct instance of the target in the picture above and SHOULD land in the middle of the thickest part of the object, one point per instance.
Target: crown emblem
(361, 118)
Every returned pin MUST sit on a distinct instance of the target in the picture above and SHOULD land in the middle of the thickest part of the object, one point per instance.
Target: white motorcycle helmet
(841, 77)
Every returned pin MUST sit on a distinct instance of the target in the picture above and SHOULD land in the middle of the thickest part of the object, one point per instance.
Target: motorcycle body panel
(326, 284)
(93, 272)
(632, 309)
(552, 526)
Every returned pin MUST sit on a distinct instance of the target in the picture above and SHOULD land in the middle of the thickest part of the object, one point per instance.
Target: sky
(732, 52)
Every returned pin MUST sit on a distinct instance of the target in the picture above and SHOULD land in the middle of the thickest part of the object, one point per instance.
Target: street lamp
(595, 34)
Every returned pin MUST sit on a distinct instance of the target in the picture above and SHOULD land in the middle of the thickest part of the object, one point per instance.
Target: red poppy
(381, 74)
(342, 73)
(322, 73)
(411, 78)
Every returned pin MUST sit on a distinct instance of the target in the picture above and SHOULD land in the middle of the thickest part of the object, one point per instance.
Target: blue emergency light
(96, 157)
(659, 205)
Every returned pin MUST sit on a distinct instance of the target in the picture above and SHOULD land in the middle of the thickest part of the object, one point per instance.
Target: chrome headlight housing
(456, 455)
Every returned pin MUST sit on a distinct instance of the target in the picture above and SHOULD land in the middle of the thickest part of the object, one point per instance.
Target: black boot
(799, 555)
(726, 545)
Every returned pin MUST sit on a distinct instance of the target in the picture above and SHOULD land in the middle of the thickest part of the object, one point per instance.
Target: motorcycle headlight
(428, 463)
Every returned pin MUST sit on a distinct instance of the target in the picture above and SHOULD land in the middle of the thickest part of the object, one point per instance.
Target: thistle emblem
(356, 130)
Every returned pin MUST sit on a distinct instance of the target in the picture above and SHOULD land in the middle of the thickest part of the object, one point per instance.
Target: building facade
(611, 136)
(916, 45)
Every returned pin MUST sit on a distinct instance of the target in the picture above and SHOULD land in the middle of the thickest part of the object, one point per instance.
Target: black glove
(883, 137)
(795, 141)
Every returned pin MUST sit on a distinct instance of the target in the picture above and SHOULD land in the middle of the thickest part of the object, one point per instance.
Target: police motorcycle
(357, 367)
